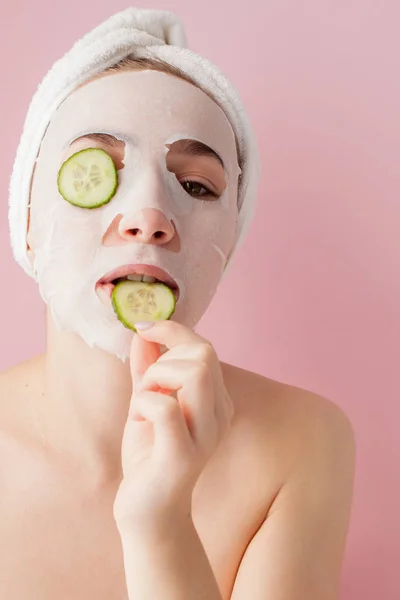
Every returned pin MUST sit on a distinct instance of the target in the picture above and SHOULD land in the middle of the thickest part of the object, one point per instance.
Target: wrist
(155, 528)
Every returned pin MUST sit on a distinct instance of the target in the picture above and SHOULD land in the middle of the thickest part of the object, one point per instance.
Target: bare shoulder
(15, 378)
(17, 384)
(275, 400)
(291, 422)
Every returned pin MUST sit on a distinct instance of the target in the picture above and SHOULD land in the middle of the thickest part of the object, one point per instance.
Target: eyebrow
(196, 148)
(105, 138)
(186, 146)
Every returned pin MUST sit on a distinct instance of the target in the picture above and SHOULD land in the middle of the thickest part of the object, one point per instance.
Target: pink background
(321, 263)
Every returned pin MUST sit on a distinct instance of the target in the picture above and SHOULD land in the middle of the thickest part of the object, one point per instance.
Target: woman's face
(154, 218)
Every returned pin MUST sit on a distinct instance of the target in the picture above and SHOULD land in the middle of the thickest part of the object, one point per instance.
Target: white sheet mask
(152, 109)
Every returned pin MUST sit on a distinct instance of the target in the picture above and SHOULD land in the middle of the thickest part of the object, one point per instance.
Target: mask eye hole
(105, 141)
(194, 164)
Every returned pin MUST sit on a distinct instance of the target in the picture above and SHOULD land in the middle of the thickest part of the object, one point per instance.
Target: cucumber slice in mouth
(135, 301)
(88, 178)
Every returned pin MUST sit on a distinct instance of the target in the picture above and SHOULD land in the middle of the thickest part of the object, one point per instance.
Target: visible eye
(189, 183)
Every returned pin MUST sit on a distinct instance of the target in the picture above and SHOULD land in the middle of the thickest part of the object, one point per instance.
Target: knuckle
(202, 375)
(170, 409)
(207, 351)
(148, 375)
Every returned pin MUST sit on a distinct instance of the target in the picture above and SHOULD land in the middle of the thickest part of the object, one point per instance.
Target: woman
(134, 463)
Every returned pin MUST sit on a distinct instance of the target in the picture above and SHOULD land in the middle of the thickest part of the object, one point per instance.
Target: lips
(123, 271)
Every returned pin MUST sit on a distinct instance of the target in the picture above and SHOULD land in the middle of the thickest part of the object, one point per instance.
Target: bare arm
(297, 553)
(172, 566)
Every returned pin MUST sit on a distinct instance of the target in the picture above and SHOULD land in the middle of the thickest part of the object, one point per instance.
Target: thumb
(143, 354)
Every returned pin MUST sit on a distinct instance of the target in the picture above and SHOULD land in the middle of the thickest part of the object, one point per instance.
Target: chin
(98, 326)
(94, 323)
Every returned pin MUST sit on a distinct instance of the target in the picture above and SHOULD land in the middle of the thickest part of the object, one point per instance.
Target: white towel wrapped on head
(141, 33)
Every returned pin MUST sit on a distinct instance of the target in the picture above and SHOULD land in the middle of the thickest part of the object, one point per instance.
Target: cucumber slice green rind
(157, 297)
(93, 167)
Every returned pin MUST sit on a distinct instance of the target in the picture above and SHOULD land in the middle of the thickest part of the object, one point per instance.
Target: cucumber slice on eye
(135, 301)
(88, 178)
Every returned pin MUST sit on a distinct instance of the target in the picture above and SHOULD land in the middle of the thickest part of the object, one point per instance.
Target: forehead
(144, 107)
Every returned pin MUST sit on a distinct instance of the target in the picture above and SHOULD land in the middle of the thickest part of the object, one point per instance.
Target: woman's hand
(180, 411)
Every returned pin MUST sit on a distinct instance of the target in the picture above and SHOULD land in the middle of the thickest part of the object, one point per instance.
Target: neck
(85, 404)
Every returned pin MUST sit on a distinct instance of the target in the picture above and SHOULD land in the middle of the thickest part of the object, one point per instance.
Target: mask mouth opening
(140, 273)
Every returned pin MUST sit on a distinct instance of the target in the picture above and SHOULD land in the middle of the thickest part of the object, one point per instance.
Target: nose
(148, 226)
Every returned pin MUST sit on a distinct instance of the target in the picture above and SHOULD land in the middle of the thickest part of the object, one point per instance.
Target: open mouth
(145, 273)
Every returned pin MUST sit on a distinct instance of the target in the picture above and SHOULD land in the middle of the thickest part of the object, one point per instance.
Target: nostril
(157, 234)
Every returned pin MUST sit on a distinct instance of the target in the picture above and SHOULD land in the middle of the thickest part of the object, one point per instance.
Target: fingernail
(144, 325)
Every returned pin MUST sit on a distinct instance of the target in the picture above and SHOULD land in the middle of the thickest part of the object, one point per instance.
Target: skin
(59, 537)
(254, 477)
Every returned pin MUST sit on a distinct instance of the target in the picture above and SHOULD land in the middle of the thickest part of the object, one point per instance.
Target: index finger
(170, 334)
(143, 354)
